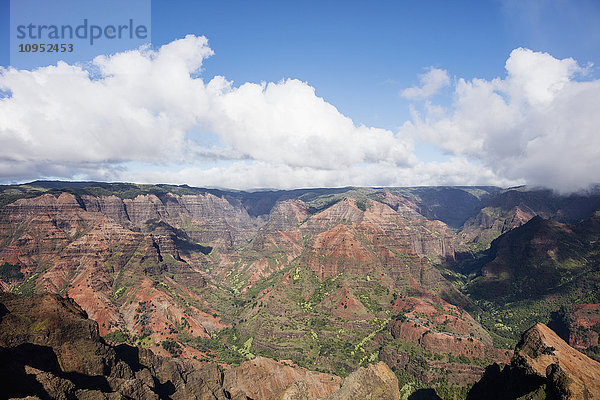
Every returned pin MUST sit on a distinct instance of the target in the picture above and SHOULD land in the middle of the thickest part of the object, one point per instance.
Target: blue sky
(359, 57)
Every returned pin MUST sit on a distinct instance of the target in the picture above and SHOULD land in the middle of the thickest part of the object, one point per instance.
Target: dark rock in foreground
(50, 349)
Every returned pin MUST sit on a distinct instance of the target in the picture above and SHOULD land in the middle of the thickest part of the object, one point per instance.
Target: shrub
(172, 347)
(118, 336)
(10, 272)
(361, 205)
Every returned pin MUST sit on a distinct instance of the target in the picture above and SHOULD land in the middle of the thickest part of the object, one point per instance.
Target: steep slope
(530, 271)
(376, 381)
(544, 366)
(480, 230)
(584, 327)
(277, 243)
(511, 208)
(205, 218)
(530, 261)
(128, 281)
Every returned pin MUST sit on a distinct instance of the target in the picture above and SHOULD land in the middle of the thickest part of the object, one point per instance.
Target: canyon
(421, 287)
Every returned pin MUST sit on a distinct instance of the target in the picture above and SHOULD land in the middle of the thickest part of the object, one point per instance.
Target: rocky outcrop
(264, 378)
(400, 204)
(411, 231)
(206, 218)
(443, 342)
(385, 245)
(84, 247)
(344, 211)
(570, 373)
(280, 232)
(51, 350)
(111, 206)
(545, 366)
(38, 228)
(376, 382)
(442, 328)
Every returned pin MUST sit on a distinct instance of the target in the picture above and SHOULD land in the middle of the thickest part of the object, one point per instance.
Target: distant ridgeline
(436, 282)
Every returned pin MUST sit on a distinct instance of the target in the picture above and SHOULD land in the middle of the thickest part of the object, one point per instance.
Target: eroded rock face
(376, 382)
(207, 218)
(544, 365)
(378, 242)
(144, 266)
(583, 332)
(89, 249)
(491, 222)
(417, 234)
(50, 320)
(264, 378)
(287, 215)
(442, 328)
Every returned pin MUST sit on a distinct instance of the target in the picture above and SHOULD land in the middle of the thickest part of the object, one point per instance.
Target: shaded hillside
(509, 209)
(529, 272)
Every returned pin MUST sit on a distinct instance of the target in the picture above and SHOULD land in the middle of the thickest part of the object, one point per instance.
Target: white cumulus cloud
(259, 174)
(431, 82)
(539, 124)
(143, 106)
(151, 116)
